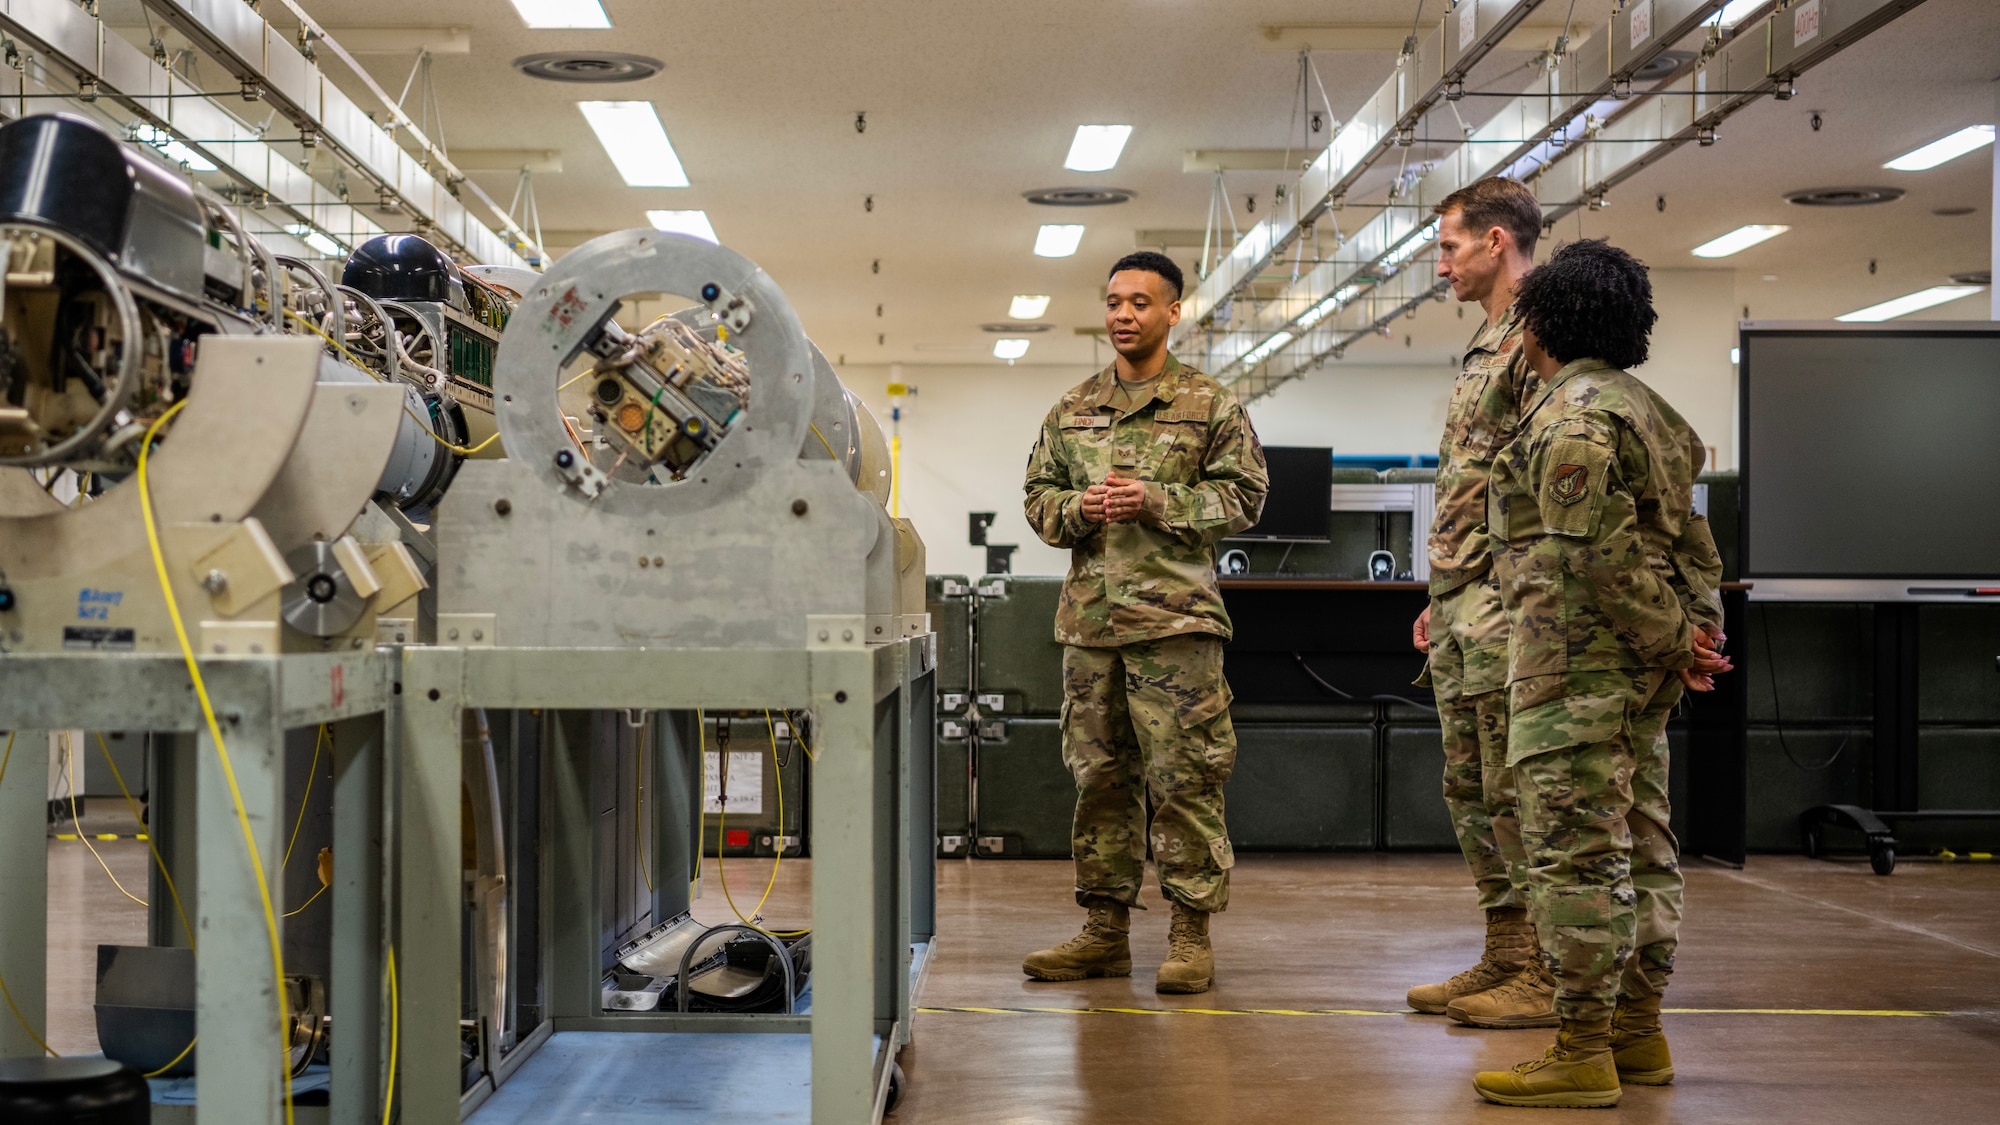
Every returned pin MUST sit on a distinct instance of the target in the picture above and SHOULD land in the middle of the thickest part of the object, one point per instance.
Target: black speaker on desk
(72, 1091)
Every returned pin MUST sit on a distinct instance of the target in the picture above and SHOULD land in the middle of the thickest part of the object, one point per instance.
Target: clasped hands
(1117, 500)
(1709, 662)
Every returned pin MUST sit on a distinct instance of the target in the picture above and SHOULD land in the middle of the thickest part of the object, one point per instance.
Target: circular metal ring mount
(321, 601)
(117, 396)
(567, 308)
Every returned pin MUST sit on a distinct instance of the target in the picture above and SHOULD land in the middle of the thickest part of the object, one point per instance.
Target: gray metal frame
(256, 699)
(872, 879)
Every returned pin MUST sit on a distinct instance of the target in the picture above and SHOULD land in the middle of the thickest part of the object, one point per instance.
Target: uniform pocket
(1573, 720)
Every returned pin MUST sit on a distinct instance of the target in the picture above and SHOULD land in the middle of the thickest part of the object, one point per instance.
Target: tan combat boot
(1576, 1073)
(1103, 949)
(1526, 999)
(1510, 942)
(1190, 963)
(1638, 1045)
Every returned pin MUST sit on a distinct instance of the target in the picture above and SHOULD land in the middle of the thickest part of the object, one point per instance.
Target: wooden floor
(1789, 969)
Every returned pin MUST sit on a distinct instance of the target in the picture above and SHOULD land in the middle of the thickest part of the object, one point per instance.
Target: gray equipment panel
(1413, 812)
(954, 791)
(948, 599)
(1027, 798)
(1302, 788)
(1017, 657)
(760, 826)
(1958, 679)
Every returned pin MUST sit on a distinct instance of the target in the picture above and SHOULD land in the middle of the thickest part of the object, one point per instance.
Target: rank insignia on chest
(1571, 483)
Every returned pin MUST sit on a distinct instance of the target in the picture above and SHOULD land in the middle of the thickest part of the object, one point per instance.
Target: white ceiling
(970, 105)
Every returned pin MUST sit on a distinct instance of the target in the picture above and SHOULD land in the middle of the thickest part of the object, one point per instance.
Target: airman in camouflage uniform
(1486, 242)
(1607, 576)
(1146, 708)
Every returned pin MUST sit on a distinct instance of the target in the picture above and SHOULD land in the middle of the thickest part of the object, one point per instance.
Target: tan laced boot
(1576, 1073)
(1510, 942)
(1638, 1045)
(1526, 999)
(1103, 949)
(1190, 963)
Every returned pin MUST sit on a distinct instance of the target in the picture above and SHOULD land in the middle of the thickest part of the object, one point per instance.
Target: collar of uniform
(1489, 337)
(1569, 371)
(1165, 386)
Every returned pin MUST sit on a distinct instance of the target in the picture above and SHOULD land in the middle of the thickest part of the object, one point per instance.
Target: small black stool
(44, 1091)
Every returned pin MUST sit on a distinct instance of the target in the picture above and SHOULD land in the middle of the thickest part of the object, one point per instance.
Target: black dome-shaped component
(67, 173)
(401, 267)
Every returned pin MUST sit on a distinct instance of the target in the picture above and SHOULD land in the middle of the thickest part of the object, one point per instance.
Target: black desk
(1355, 635)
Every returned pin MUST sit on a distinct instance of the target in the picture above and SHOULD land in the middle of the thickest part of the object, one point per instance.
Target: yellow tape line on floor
(1878, 1012)
(97, 836)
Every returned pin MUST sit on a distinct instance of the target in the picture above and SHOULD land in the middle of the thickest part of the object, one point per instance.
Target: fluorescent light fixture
(683, 222)
(562, 13)
(1097, 147)
(1411, 245)
(1945, 148)
(1913, 302)
(1735, 11)
(1735, 355)
(317, 239)
(1739, 240)
(1058, 240)
(637, 143)
(1009, 349)
(1266, 350)
(1028, 306)
(172, 149)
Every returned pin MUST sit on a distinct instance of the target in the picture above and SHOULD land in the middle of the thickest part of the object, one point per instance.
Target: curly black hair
(1152, 262)
(1590, 300)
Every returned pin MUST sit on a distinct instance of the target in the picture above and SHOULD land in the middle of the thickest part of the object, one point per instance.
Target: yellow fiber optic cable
(395, 1036)
(76, 818)
(6, 757)
(778, 856)
(311, 772)
(165, 876)
(221, 749)
(461, 450)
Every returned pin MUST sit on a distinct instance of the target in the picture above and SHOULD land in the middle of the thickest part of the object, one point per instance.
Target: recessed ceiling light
(1009, 350)
(1028, 306)
(1944, 148)
(1014, 327)
(693, 223)
(1739, 240)
(562, 13)
(637, 143)
(1058, 240)
(1912, 302)
(1096, 147)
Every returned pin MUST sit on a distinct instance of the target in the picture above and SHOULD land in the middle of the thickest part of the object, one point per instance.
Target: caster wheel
(1815, 842)
(1883, 860)
(896, 1085)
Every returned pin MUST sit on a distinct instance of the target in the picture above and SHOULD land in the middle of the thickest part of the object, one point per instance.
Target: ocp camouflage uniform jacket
(1485, 408)
(1600, 555)
(1154, 576)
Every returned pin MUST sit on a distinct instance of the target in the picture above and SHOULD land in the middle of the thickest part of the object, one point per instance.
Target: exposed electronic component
(667, 395)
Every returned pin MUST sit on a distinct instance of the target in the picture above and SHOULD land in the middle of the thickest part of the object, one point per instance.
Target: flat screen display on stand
(1299, 506)
(1870, 457)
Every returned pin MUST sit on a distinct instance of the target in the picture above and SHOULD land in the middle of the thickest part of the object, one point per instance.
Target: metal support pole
(1993, 220)
(845, 815)
(426, 776)
(236, 1001)
(574, 911)
(357, 989)
(675, 803)
(170, 799)
(24, 890)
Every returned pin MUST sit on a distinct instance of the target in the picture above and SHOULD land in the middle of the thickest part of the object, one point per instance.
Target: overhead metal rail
(238, 36)
(1596, 76)
(1760, 59)
(1441, 60)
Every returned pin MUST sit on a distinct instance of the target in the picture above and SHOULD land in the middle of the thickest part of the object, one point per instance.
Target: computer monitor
(1299, 506)
(1869, 453)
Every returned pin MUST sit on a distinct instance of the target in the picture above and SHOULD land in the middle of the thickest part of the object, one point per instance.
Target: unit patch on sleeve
(1573, 479)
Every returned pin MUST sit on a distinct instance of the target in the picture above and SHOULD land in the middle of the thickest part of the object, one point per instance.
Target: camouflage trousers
(1148, 724)
(1604, 880)
(1468, 671)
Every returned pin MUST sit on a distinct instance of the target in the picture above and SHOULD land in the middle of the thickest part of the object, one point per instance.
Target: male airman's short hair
(1590, 300)
(1497, 201)
(1152, 261)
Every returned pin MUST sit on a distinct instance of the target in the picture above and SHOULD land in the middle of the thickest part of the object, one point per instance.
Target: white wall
(968, 429)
